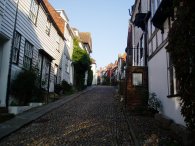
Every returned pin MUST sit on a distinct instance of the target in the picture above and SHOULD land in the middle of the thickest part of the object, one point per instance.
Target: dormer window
(33, 11)
(58, 42)
(48, 27)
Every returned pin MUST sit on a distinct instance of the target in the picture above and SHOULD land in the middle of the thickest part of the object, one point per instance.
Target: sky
(106, 20)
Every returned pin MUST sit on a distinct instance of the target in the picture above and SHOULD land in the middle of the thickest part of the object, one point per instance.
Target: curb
(135, 140)
(20, 120)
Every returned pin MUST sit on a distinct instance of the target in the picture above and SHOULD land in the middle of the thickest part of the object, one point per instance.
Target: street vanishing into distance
(93, 118)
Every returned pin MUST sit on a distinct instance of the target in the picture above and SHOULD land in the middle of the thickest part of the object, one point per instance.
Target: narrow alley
(93, 118)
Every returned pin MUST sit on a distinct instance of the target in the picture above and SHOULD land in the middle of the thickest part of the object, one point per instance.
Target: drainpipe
(10, 61)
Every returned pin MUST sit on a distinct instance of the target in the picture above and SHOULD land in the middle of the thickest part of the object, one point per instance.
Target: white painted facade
(67, 66)
(51, 44)
(94, 69)
(120, 68)
(158, 64)
(7, 9)
(158, 61)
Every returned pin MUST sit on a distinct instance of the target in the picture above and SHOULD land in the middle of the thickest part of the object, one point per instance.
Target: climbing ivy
(82, 64)
(181, 47)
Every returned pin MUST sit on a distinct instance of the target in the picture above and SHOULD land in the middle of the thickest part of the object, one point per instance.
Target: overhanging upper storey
(141, 19)
(164, 11)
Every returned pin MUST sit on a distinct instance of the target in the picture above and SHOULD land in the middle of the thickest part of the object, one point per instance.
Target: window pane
(28, 51)
(15, 55)
(137, 79)
(48, 27)
(33, 11)
(16, 47)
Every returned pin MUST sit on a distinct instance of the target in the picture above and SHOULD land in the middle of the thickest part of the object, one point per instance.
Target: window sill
(173, 96)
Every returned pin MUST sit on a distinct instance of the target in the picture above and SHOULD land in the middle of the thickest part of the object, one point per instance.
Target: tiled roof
(86, 38)
(57, 19)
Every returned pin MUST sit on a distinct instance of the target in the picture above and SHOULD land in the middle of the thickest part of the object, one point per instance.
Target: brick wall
(136, 95)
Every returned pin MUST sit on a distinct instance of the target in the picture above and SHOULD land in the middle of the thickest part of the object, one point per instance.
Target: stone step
(3, 110)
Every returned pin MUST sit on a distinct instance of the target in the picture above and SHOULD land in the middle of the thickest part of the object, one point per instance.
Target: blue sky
(106, 20)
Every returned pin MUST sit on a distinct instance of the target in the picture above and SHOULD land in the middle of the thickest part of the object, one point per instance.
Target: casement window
(55, 74)
(16, 47)
(137, 79)
(34, 11)
(67, 66)
(58, 43)
(173, 83)
(28, 55)
(48, 27)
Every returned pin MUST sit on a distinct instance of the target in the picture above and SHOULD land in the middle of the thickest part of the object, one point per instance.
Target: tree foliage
(181, 47)
(82, 64)
(90, 77)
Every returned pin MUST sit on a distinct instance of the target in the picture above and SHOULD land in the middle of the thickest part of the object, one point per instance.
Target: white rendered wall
(5, 51)
(93, 68)
(158, 83)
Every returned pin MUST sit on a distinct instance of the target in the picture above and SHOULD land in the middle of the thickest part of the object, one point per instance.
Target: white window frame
(48, 27)
(137, 79)
(33, 11)
(67, 66)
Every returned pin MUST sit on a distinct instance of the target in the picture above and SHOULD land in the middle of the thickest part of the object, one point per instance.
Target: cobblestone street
(93, 118)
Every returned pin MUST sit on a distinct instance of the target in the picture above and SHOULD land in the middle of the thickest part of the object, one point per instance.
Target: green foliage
(154, 103)
(25, 87)
(63, 88)
(82, 64)
(181, 47)
(90, 77)
(66, 87)
(80, 57)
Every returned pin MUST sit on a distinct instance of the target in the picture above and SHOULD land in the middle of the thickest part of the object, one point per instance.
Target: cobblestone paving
(93, 118)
